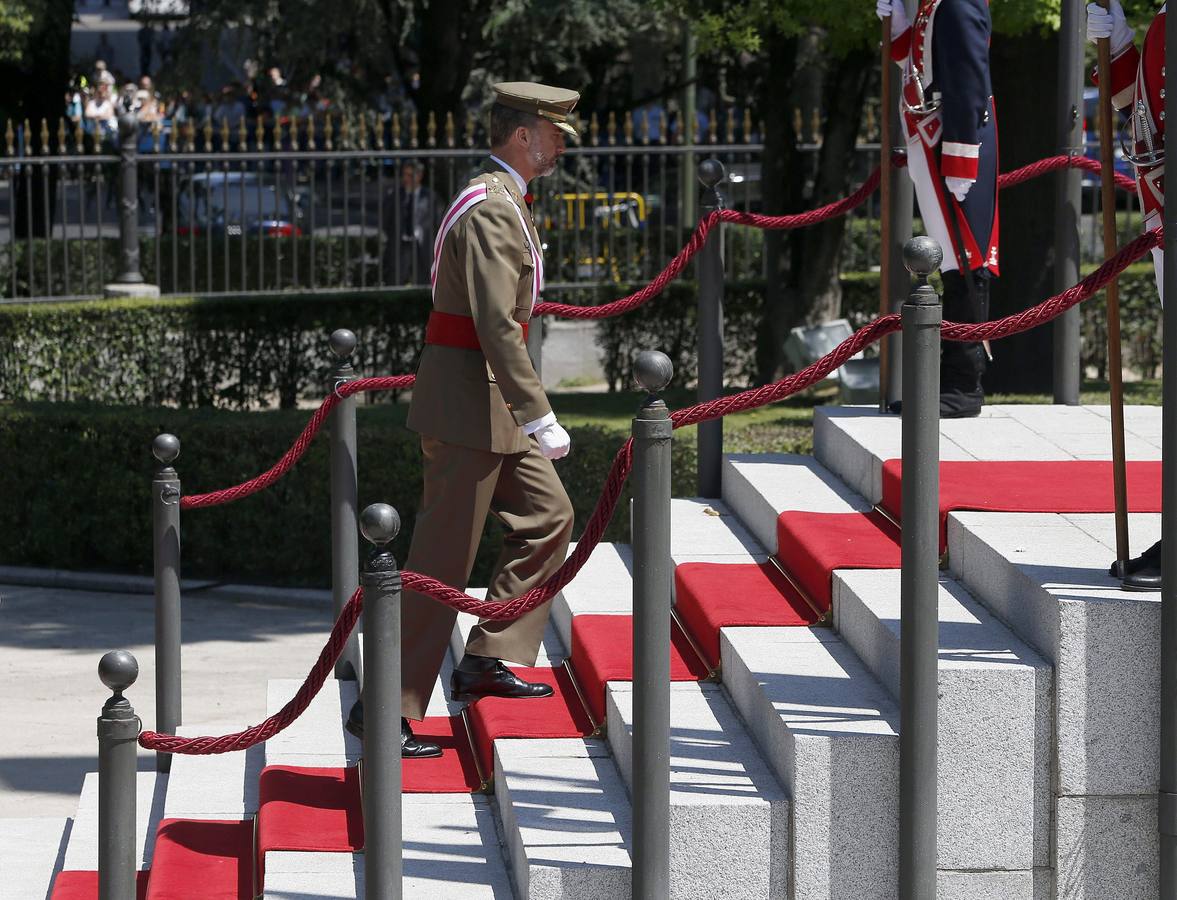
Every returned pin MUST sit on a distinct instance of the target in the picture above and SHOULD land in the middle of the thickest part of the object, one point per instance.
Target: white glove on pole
(958, 186)
(554, 442)
(1107, 23)
(898, 13)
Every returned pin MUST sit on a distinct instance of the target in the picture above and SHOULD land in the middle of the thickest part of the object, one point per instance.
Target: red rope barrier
(640, 297)
(761, 396)
(241, 740)
(614, 483)
(301, 443)
(618, 307)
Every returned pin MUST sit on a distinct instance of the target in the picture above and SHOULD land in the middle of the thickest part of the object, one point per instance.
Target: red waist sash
(449, 330)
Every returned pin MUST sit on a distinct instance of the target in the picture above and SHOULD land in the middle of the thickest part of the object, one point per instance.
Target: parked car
(236, 203)
(1092, 150)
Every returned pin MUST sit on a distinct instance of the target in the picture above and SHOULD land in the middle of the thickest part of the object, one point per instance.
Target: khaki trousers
(523, 491)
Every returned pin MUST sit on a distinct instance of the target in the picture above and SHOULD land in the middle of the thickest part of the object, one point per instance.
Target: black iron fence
(332, 203)
(345, 202)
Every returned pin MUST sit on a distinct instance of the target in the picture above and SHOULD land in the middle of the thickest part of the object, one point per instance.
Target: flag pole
(884, 203)
(1115, 372)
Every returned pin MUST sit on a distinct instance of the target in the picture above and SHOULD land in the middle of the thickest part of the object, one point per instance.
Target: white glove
(1108, 23)
(554, 442)
(898, 13)
(958, 186)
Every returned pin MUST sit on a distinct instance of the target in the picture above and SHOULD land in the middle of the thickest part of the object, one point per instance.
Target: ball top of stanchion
(653, 370)
(118, 670)
(380, 523)
(165, 448)
(922, 256)
(342, 342)
(711, 172)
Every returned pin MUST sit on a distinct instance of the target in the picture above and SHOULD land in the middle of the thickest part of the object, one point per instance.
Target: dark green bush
(236, 352)
(197, 265)
(76, 485)
(261, 351)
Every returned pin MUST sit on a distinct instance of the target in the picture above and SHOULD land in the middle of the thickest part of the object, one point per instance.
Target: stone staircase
(784, 764)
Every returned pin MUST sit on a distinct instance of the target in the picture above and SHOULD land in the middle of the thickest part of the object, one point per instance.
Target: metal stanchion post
(165, 515)
(1067, 200)
(129, 199)
(1167, 799)
(118, 729)
(922, 316)
(345, 554)
(382, 707)
(710, 349)
(653, 582)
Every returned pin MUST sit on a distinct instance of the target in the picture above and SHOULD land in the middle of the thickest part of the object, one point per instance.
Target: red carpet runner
(319, 809)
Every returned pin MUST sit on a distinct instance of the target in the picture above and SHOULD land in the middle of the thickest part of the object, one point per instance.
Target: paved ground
(50, 695)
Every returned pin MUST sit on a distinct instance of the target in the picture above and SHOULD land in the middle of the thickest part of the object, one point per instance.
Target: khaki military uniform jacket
(485, 270)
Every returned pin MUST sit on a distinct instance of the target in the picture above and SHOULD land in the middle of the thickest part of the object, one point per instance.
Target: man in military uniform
(950, 126)
(488, 433)
(1138, 87)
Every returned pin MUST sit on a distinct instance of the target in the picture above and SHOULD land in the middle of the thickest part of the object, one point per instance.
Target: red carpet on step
(812, 545)
(602, 650)
(1058, 486)
(558, 716)
(308, 809)
(711, 596)
(83, 885)
(202, 858)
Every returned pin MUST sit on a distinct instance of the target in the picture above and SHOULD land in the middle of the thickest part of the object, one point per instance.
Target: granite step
(1045, 576)
(723, 796)
(565, 818)
(757, 488)
(829, 731)
(446, 843)
(854, 442)
(219, 786)
(81, 852)
(995, 721)
(32, 851)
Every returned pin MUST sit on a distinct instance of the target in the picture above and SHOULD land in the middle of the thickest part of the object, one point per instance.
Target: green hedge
(201, 264)
(233, 352)
(263, 351)
(76, 486)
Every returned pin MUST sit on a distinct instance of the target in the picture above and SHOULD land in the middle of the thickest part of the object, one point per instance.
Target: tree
(831, 47)
(34, 53)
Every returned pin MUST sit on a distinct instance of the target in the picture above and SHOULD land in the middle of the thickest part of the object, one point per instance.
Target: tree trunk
(1024, 362)
(802, 265)
(782, 181)
(43, 73)
(450, 33)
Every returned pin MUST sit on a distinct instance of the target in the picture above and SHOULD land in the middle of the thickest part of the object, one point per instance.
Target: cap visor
(567, 129)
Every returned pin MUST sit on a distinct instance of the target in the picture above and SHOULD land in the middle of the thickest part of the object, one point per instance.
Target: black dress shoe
(1146, 579)
(355, 719)
(415, 748)
(1150, 557)
(411, 747)
(952, 406)
(482, 676)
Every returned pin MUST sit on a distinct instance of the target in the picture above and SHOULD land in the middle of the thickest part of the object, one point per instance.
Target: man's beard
(543, 164)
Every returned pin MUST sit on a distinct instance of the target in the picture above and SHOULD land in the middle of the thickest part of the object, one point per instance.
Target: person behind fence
(488, 433)
(1138, 87)
(950, 127)
(416, 218)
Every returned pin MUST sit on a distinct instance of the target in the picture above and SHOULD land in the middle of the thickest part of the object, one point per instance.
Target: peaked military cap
(551, 103)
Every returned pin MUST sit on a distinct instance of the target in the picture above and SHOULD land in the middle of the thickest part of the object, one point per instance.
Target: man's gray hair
(504, 120)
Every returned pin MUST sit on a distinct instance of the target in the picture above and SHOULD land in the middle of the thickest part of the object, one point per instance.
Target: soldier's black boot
(1141, 573)
(962, 363)
(411, 746)
(484, 676)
